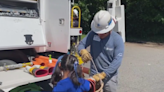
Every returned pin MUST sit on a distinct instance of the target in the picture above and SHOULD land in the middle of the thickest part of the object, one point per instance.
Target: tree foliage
(89, 8)
(144, 18)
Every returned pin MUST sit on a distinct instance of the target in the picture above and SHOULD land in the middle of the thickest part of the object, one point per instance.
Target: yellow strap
(31, 69)
(27, 64)
(42, 67)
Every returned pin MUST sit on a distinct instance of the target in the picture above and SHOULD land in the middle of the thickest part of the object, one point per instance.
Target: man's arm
(118, 55)
(84, 43)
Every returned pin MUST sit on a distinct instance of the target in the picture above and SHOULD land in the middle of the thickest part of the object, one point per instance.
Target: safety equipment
(79, 59)
(85, 55)
(48, 58)
(99, 75)
(39, 61)
(76, 12)
(102, 22)
(49, 69)
(14, 66)
(45, 61)
(36, 71)
(95, 86)
(92, 83)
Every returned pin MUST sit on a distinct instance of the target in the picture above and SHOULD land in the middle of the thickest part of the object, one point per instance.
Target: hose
(14, 66)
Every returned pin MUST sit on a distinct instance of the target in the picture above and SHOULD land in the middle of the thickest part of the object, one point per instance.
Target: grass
(83, 35)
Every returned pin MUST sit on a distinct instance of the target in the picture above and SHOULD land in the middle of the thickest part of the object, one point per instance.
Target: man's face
(102, 36)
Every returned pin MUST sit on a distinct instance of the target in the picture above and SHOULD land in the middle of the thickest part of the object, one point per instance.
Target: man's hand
(99, 76)
(85, 55)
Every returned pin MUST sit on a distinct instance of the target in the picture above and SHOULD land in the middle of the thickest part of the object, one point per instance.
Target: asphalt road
(142, 68)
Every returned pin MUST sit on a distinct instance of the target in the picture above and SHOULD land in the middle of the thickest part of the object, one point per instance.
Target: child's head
(68, 65)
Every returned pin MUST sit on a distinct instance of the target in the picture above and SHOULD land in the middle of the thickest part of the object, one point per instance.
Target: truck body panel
(17, 33)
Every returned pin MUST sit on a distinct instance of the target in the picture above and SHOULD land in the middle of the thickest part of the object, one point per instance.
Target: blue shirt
(66, 85)
(75, 23)
(107, 53)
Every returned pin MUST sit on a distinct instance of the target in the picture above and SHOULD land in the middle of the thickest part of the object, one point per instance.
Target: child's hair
(67, 64)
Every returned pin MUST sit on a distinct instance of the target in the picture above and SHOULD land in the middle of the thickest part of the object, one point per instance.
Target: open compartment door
(16, 33)
(57, 24)
(20, 25)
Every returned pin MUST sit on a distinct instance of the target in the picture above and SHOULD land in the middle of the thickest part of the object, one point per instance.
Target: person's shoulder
(117, 39)
(64, 81)
(91, 33)
(85, 84)
(82, 79)
(116, 35)
(63, 85)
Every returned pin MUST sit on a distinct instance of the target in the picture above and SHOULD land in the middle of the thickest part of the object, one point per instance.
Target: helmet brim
(102, 31)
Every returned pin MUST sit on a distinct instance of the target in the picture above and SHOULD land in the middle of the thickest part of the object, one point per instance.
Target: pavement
(142, 68)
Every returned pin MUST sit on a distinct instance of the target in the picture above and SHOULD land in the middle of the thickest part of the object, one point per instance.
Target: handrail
(72, 16)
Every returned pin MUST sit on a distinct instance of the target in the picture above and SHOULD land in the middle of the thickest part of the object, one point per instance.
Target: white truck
(32, 27)
(118, 12)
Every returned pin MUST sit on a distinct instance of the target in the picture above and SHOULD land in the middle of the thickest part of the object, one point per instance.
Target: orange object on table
(39, 62)
(47, 58)
(44, 61)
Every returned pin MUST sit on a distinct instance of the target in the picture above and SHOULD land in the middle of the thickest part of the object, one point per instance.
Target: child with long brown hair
(68, 77)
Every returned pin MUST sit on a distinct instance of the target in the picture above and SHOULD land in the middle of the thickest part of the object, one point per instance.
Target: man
(75, 18)
(106, 48)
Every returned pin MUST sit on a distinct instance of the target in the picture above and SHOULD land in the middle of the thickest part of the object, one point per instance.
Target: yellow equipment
(73, 49)
(37, 72)
(74, 52)
(77, 7)
(15, 66)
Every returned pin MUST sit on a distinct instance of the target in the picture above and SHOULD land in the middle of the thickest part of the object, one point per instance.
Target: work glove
(99, 76)
(85, 55)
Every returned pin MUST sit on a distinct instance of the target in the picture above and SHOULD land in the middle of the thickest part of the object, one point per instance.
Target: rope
(101, 82)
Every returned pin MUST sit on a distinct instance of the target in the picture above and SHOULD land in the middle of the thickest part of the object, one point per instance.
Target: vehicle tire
(14, 55)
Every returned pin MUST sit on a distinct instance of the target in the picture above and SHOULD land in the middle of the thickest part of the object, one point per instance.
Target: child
(67, 76)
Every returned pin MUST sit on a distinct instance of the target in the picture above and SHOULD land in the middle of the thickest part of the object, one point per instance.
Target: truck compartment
(19, 8)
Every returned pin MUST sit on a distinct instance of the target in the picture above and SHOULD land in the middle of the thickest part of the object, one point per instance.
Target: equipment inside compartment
(18, 9)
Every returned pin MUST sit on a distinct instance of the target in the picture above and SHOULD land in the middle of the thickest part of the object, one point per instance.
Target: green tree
(89, 8)
(145, 20)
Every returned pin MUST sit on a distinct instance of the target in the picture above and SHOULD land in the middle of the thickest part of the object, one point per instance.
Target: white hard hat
(103, 22)
(76, 12)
